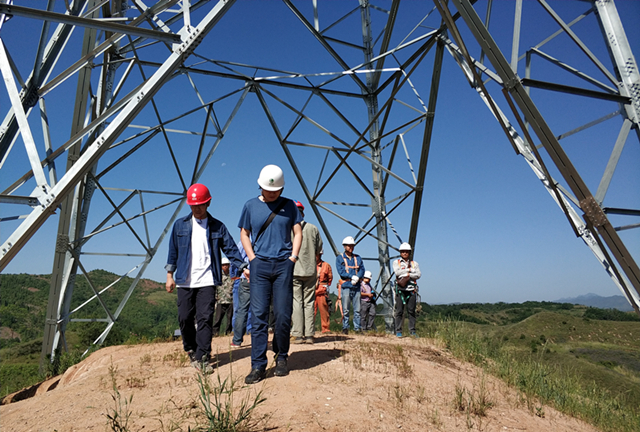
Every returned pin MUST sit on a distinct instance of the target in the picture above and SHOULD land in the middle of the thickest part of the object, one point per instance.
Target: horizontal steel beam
(87, 22)
(528, 82)
(15, 199)
(620, 211)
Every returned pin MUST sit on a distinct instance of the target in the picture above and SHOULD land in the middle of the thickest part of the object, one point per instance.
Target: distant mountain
(613, 302)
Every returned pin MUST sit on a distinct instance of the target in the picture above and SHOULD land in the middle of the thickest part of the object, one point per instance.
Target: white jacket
(403, 268)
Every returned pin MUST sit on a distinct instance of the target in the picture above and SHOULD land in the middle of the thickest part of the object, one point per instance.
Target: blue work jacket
(179, 259)
(345, 274)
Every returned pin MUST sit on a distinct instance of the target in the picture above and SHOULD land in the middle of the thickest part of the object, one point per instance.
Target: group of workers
(280, 277)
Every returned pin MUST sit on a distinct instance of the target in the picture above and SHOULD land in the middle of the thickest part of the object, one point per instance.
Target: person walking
(325, 277)
(351, 269)
(367, 302)
(194, 267)
(224, 300)
(305, 278)
(266, 226)
(241, 311)
(407, 273)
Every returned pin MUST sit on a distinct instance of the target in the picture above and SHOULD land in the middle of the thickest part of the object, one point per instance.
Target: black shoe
(345, 331)
(281, 368)
(255, 376)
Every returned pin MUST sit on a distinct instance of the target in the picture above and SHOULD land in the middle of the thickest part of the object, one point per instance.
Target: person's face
(225, 268)
(200, 211)
(318, 258)
(270, 196)
(405, 254)
(348, 248)
(366, 280)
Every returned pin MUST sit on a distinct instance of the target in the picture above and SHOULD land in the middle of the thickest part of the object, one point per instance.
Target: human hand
(246, 273)
(171, 284)
(354, 280)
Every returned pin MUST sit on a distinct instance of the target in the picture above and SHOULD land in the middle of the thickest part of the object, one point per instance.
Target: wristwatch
(295, 257)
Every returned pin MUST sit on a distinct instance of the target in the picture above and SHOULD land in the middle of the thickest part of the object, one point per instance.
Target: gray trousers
(367, 315)
(304, 297)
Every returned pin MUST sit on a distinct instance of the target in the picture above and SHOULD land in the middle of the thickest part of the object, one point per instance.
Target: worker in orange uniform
(325, 277)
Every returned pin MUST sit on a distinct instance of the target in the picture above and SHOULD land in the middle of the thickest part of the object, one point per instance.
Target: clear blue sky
(488, 230)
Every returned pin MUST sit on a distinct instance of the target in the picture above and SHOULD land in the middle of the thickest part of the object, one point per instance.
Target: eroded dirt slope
(354, 383)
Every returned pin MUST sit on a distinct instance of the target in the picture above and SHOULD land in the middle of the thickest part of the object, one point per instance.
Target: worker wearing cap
(351, 270)
(194, 267)
(367, 303)
(224, 300)
(325, 277)
(407, 270)
(305, 277)
(266, 226)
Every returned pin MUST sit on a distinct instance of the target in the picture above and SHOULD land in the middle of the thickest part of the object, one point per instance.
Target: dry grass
(380, 358)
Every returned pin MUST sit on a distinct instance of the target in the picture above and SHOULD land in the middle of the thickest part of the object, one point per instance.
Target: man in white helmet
(407, 273)
(266, 226)
(367, 303)
(351, 270)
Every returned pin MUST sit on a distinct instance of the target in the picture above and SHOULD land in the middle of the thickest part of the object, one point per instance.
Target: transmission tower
(360, 99)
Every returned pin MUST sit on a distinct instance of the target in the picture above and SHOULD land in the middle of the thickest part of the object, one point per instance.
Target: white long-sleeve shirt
(403, 268)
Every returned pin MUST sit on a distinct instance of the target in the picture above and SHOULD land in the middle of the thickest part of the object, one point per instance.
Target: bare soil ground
(352, 383)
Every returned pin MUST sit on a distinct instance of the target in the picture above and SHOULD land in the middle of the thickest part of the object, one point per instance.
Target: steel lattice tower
(362, 102)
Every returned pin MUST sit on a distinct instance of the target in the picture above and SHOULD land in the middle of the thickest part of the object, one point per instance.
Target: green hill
(593, 347)
(150, 314)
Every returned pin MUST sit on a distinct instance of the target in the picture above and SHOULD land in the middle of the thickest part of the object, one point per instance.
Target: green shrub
(14, 377)
(610, 315)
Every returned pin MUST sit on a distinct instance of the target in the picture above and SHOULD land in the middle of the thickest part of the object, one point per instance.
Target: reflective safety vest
(347, 267)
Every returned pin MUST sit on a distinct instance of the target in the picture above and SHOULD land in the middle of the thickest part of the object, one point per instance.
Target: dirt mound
(354, 383)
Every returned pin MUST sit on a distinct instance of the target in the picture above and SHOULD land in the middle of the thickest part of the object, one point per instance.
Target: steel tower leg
(595, 217)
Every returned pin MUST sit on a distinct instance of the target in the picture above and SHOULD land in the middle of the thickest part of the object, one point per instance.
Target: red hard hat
(299, 205)
(198, 194)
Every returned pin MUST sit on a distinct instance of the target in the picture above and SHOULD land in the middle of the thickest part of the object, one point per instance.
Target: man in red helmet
(194, 266)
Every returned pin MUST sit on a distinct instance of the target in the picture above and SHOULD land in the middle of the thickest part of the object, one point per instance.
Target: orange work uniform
(325, 277)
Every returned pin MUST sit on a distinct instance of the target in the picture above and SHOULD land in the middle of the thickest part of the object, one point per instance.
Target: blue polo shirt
(275, 242)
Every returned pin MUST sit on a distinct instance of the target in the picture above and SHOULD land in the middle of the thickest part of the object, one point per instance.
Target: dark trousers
(242, 312)
(195, 305)
(405, 302)
(367, 315)
(270, 281)
(222, 309)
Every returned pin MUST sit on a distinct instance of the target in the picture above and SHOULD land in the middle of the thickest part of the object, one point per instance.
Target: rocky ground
(346, 383)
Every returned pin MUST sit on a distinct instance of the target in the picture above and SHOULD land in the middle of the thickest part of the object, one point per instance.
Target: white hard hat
(348, 240)
(405, 247)
(224, 261)
(271, 178)
(367, 274)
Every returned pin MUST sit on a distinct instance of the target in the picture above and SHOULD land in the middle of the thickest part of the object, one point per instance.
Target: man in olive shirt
(305, 277)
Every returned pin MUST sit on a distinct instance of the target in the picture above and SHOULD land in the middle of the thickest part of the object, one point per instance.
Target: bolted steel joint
(62, 243)
(593, 212)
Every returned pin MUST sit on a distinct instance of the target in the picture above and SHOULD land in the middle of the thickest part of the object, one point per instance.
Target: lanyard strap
(269, 219)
